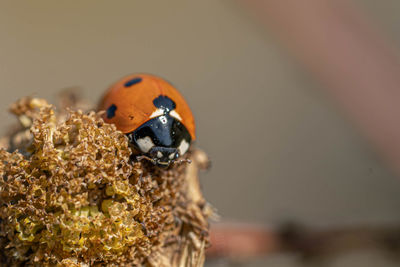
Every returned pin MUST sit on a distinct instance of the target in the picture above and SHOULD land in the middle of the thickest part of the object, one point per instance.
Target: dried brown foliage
(72, 195)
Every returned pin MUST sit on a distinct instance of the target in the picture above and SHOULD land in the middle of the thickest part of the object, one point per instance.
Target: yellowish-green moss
(71, 194)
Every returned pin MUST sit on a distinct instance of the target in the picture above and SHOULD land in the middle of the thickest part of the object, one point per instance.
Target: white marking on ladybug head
(145, 144)
(157, 112)
(163, 119)
(183, 147)
(175, 115)
(159, 154)
(172, 155)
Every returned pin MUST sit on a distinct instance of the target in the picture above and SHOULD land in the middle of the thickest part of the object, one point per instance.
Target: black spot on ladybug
(111, 111)
(164, 102)
(133, 82)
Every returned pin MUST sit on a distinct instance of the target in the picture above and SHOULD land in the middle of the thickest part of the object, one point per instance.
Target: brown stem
(242, 241)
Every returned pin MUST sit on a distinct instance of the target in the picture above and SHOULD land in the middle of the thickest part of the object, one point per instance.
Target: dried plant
(71, 194)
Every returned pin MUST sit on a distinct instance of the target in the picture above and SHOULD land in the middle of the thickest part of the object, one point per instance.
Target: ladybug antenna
(142, 157)
(182, 161)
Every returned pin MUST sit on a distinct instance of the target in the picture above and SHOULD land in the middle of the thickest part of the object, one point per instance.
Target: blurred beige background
(281, 149)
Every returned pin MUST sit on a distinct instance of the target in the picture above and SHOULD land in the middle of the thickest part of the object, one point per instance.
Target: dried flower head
(71, 195)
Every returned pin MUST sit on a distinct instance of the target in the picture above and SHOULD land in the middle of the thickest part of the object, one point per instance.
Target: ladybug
(154, 116)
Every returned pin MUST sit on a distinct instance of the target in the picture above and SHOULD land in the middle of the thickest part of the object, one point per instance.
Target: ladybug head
(161, 140)
(163, 156)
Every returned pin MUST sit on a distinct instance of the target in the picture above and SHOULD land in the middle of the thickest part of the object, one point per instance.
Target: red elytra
(134, 103)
